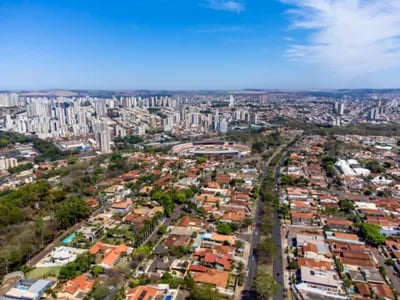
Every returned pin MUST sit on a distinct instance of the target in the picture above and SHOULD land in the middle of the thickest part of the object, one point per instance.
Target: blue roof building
(28, 290)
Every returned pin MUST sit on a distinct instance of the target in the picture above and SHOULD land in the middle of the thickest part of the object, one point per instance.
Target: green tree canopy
(204, 292)
(70, 212)
(372, 234)
(266, 286)
(224, 228)
(101, 292)
(346, 205)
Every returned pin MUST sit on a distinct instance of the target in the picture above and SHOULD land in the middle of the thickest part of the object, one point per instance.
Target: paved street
(389, 270)
(166, 222)
(277, 264)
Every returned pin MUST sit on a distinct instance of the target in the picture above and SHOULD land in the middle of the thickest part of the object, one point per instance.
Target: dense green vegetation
(265, 285)
(169, 199)
(9, 138)
(127, 142)
(204, 292)
(20, 168)
(81, 265)
(12, 203)
(224, 228)
(357, 129)
(328, 163)
(70, 212)
(48, 150)
(274, 139)
(23, 230)
(371, 233)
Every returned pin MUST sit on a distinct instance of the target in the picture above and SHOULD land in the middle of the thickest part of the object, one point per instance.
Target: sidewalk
(246, 253)
(286, 272)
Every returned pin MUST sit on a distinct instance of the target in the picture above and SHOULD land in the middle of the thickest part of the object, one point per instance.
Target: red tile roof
(79, 283)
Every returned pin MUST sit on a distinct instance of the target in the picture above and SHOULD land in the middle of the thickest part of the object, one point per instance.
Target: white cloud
(349, 36)
(227, 5)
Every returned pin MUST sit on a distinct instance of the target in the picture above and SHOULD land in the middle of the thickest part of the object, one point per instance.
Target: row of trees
(265, 285)
(148, 228)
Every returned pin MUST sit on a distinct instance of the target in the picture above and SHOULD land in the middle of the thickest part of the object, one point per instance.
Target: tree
(80, 265)
(239, 244)
(247, 222)
(20, 168)
(371, 233)
(174, 282)
(204, 292)
(142, 252)
(293, 265)
(339, 265)
(328, 163)
(286, 180)
(179, 251)
(224, 228)
(70, 212)
(375, 166)
(201, 160)
(101, 292)
(266, 286)
(346, 205)
(266, 250)
(285, 210)
(162, 230)
(258, 147)
(97, 270)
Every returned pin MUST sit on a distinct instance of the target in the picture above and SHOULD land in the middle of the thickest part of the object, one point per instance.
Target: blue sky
(199, 44)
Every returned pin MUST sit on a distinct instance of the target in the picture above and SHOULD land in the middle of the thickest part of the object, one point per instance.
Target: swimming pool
(69, 238)
(22, 287)
(168, 297)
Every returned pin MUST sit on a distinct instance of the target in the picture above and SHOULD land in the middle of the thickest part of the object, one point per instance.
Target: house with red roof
(111, 254)
(76, 288)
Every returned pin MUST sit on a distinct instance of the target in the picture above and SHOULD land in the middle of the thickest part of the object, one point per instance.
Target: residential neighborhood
(167, 224)
(340, 217)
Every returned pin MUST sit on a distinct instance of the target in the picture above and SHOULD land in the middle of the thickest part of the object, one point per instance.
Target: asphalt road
(166, 222)
(389, 270)
(276, 233)
(248, 294)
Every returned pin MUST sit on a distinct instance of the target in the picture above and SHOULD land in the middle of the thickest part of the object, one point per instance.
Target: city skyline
(194, 45)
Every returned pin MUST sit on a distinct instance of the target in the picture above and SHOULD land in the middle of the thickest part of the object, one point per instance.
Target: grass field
(39, 273)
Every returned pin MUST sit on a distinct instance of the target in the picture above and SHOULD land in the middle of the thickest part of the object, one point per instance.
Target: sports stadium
(211, 149)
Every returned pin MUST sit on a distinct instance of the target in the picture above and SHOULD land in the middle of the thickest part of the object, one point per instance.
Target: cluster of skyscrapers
(98, 121)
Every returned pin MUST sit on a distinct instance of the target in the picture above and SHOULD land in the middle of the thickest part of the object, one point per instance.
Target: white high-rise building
(223, 126)
(8, 100)
(231, 101)
(103, 137)
(141, 130)
(341, 108)
(6, 163)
